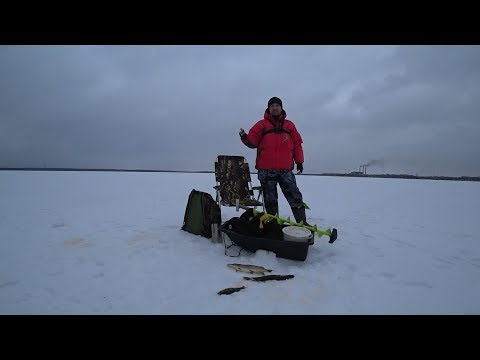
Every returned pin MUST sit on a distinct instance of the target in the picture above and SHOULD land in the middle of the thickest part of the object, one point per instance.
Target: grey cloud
(178, 107)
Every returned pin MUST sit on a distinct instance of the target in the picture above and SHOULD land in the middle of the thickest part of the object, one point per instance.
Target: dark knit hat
(275, 100)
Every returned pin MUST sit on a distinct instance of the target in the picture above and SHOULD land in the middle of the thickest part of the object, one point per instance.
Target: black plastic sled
(293, 250)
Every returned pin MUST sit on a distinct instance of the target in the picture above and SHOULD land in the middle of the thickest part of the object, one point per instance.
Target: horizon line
(408, 176)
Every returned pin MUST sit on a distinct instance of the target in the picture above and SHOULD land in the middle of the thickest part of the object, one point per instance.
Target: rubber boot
(272, 208)
(299, 214)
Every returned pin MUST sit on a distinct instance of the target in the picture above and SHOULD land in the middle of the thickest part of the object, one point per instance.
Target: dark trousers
(286, 179)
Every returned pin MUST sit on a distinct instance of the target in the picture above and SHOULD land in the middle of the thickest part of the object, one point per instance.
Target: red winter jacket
(275, 151)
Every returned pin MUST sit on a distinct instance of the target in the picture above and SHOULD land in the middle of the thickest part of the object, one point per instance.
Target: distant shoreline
(390, 176)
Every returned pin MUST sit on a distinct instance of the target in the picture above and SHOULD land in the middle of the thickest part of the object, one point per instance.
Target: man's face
(275, 109)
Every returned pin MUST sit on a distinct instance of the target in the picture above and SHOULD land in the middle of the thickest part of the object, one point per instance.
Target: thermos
(215, 237)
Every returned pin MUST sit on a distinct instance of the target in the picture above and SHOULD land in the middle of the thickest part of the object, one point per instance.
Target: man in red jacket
(279, 146)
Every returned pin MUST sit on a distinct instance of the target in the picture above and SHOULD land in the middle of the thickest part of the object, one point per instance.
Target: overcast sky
(402, 109)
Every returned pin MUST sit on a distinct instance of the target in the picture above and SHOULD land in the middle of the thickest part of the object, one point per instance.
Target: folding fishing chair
(234, 184)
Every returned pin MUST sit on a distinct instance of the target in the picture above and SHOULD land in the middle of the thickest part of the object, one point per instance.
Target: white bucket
(296, 233)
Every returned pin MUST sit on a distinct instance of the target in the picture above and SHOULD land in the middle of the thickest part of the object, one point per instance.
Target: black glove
(300, 167)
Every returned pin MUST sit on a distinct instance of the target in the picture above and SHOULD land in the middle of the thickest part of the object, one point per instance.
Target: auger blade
(333, 236)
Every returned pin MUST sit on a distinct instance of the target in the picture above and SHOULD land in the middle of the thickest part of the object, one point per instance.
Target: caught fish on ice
(249, 269)
(270, 277)
(231, 290)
